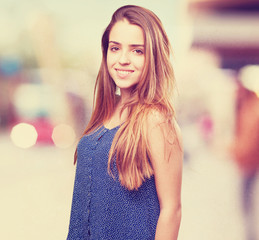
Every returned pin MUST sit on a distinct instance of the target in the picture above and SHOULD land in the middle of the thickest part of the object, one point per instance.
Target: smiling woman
(125, 56)
(129, 159)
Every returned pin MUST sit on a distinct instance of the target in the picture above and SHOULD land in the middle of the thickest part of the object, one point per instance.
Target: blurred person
(206, 125)
(10, 78)
(80, 109)
(246, 151)
(129, 160)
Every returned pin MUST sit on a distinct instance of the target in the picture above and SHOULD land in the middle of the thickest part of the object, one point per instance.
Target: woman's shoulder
(156, 117)
(159, 122)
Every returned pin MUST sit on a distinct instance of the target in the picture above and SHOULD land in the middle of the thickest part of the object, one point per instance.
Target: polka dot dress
(102, 209)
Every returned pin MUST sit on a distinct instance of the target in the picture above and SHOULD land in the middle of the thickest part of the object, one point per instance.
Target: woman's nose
(124, 58)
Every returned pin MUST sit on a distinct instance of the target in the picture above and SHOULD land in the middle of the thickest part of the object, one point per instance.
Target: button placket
(89, 194)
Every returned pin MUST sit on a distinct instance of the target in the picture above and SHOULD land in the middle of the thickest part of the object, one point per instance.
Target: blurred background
(50, 52)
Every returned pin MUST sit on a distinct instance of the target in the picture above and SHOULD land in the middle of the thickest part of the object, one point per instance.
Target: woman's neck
(124, 97)
(119, 114)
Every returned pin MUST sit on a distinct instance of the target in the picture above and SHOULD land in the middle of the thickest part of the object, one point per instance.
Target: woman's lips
(123, 73)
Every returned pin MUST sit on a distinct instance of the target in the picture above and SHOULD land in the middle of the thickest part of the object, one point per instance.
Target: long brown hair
(153, 92)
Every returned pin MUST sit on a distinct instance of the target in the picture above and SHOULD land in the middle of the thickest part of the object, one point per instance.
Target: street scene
(50, 55)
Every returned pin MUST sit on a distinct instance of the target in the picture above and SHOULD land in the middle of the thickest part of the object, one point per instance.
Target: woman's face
(126, 54)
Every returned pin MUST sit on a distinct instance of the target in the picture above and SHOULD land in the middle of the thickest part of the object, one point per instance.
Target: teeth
(123, 72)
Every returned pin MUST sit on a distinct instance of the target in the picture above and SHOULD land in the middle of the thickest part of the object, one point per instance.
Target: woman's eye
(138, 51)
(114, 49)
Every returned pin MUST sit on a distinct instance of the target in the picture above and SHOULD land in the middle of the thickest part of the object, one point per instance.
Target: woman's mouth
(122, 72)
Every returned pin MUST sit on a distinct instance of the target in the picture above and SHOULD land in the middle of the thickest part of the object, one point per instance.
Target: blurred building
(230, 27)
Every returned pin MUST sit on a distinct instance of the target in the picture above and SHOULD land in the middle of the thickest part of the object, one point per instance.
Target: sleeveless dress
(102, 209)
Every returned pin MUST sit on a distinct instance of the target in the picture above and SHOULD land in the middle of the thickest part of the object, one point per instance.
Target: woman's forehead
(124, 32)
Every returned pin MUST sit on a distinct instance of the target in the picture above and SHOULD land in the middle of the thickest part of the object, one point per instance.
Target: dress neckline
(110, 129)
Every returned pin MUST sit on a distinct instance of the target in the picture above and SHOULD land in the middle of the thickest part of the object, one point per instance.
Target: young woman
(129, 160)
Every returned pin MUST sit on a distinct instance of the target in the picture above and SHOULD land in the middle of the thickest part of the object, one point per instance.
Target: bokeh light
(24, 135)
(63, 136)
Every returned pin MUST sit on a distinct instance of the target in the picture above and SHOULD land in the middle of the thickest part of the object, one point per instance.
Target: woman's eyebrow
(131, 45)
(137, 45)
(114, 42)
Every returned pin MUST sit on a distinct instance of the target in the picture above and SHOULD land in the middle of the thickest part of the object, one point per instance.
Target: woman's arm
(165, 147)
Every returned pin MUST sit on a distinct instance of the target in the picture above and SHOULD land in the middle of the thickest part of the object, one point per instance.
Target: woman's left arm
(166, 152)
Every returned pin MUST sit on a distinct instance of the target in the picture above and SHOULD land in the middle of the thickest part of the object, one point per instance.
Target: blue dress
(102, 209)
